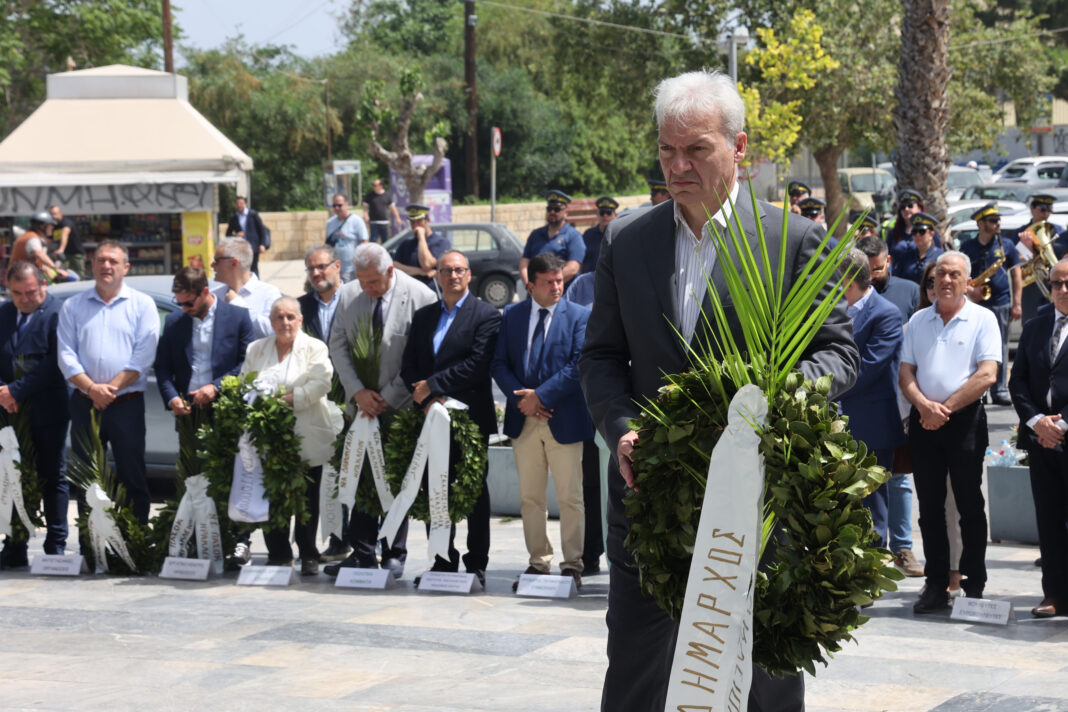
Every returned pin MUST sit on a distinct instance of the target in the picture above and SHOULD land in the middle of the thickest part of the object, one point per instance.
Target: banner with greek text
(432, 452)
(364, 440)
(712, 668)
(197, 517)
(248, 497)
(11, 483)
(330, 513)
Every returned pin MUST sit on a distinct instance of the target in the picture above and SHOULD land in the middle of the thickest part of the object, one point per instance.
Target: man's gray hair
(856, 268)
(371, 254)
(239, 249)
(331, 253)
(692, 96)
(949, 254)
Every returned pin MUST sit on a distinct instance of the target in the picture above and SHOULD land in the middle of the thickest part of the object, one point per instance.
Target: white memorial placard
(266, 576)
(58, 565)
(177, 567)
(545, 586)
(982, 610)
(447, 582)
(353, 577)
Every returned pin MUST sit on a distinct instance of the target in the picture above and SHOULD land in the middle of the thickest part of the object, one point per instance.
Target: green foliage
(466, 479)
(420, 27)
(36, 38)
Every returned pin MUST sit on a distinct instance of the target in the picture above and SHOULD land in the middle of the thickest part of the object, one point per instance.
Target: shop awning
(118, 126)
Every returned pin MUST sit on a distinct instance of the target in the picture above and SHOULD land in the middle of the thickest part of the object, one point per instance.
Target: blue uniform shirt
(983, 256)
(567, 245)
(907, 261)
(408, 252)
(592, 239)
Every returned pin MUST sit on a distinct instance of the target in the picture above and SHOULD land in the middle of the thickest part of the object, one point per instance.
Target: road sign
(496, 141)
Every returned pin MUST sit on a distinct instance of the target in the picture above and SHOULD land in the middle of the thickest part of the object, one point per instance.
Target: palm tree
(921, 113)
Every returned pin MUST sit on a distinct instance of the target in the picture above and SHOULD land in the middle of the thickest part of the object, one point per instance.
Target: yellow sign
(198, 247)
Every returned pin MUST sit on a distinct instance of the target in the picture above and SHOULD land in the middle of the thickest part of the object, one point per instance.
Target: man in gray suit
(651, 276)
(387, 298)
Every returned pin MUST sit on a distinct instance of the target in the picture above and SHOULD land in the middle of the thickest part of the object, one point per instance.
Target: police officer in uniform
(418, 255)
(797, 191)
(1005, 287)
(556, 236)
(911, 256)
(812, 208)
(606, 213)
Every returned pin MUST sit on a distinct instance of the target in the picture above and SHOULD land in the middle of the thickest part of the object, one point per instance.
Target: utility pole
(329, 135)
(168, 39)
(471, 143)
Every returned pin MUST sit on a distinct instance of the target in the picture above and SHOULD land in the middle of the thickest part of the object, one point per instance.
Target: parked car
(493, 251)
(961, 210)
(1010, 226)
(958, 179)
(161, 439)
(1020, 192)
(1036, 172)
(866, 189)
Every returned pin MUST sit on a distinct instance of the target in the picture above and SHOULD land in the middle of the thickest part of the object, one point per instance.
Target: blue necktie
(19, 324)
(537, 342)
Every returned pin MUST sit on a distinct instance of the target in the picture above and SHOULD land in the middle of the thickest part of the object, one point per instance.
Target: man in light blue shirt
(344, 231)
(107, 342)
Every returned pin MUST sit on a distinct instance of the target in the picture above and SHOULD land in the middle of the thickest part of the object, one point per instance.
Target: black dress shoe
(589, 568)
(350, 563)
(934, 599)
(14, 558)
(480, 574)
(336, 551)
(1001, 400)
(395, 566)
(443, 566)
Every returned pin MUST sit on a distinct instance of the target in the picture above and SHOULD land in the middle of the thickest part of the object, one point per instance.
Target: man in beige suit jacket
(381, 295)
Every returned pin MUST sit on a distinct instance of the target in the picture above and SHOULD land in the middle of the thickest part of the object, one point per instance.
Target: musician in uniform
(995, 284)
(1029, 246)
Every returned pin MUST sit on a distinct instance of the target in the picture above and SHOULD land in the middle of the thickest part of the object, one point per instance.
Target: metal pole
(471, 149)
(329, 135)
(493, 187)
(732, 58)
(168, 39)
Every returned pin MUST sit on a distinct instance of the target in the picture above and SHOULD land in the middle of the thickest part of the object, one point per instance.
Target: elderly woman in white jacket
(300, 365)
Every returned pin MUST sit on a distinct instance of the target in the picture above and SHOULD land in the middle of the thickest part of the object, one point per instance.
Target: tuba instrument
(1038, 268)
(983, 280)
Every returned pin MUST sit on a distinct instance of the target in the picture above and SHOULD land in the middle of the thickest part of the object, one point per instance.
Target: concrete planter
(1012, 510)
(503, 483)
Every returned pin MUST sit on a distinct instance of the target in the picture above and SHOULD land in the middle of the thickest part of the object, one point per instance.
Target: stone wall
(294, 232)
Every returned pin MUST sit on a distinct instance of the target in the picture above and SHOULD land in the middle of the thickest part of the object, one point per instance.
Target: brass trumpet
(983, 280)
(1038, 268)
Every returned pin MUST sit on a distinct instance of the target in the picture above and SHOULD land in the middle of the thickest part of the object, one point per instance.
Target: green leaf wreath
(32, 487)
(469, 470)
(818, 561)
(270, 422)
(95, 469)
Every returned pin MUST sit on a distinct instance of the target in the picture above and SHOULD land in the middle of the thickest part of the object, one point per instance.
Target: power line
(291, 25)
(588, 20)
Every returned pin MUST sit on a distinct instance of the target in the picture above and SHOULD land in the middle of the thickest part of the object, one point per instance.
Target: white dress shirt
(694, 260)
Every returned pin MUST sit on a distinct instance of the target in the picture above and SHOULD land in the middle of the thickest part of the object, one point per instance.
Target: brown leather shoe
(1047, 609)
(530, 570)
(575, 575)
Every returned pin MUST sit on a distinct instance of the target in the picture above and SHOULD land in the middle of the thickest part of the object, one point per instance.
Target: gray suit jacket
(355, 306)
(630, 344)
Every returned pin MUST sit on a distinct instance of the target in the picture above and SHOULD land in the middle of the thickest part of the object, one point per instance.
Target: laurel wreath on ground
(467, 478)
(270, 422)
(820, 564)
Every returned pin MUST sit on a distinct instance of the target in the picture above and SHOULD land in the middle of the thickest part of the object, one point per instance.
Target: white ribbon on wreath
(103, 531)
(432, 452)
(11, 483)
(713, 668)
(363, 441)
(197, 516)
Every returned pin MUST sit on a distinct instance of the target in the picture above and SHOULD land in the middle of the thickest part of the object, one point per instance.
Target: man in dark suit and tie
(536, 366)
(30, 378)
(651, 280)
(871, 403)
(200, 344)
(246, 223)
(448, 355)
(1039, 388)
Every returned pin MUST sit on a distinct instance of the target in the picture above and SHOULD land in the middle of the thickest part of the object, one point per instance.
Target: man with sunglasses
(1005, 299)
(556, 236)
(201, 343)
(1039, 386)
(344, 231)
(797, 191)
(606, 213)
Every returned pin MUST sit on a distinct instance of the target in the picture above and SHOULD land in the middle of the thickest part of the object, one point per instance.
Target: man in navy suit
(871, 403)
(536, 365)
(30, 378)
(448, 355)
(200, 345)
(1039, 388)
(246, 223)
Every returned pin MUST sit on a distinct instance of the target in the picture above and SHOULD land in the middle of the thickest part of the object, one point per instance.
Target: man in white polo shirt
(948, 360)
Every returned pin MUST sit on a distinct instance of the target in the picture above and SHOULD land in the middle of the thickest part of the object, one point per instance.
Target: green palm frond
(93, 467)
(366, 352)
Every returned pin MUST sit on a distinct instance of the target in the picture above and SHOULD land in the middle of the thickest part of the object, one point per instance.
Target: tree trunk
(827, 160)
(921, 113)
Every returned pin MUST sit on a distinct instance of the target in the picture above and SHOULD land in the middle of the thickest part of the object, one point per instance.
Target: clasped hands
(530, 405)
(933, 415)
(1049, 435)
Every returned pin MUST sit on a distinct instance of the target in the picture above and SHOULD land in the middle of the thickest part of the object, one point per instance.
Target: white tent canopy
(109, 127)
